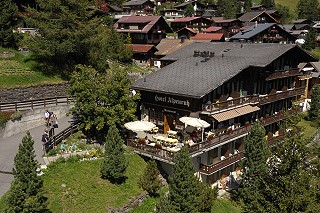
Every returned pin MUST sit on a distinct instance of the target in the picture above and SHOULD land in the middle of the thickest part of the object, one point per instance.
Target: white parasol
(138, 126)
(195, 122)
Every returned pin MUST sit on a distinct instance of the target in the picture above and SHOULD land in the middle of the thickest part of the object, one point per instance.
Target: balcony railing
(148, 150)
(283, 74)
(252, 99)
(205, 169)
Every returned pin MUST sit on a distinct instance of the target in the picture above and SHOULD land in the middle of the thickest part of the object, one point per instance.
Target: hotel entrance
(169, 121)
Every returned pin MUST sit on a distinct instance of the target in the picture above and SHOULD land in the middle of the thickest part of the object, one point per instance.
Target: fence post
(32, 103)
(44, 102)
(56, 101)
(67, 100)
(16, 106)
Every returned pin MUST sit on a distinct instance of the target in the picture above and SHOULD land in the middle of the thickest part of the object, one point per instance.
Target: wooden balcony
(283, 74)
(252, 99)
(210, 169)
(198, 148)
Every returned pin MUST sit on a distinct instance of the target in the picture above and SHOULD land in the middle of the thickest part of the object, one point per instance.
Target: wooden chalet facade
(171, 14)
(264, 33)
(143, 29)
(139, 7)
(198, 24)
(231, 26)
(259, 17)
(260, 81)
(197, 6)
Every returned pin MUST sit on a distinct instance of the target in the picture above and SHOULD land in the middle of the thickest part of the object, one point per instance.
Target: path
(9, 147)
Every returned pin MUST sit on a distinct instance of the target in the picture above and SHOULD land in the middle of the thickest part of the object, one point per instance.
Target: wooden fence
(58, 138)
(32, 104)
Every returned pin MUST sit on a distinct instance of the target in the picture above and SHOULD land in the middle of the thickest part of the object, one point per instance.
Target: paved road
(9, 147)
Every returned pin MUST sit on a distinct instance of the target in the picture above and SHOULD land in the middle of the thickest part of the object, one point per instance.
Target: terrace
(253, 99)
(165, 151)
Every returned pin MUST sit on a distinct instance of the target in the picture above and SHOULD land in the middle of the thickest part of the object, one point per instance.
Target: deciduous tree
(114, 165)
(150, 181)
(102, 99)
(26, 192)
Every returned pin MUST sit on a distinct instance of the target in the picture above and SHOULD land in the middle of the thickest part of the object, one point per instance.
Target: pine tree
(268, 3)
(310, 42)
(150, 181)
(164, 205)
(255, 168)
(206, 197)
(8, 11)
(26, 192)
(114, 164)
(314, 112)
(183, 183)
(289, 187)
(308, 9)
(189, 11)
(247, 5)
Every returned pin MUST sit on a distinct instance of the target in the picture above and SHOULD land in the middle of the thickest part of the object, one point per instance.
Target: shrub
(16, 115)
(53, 152)
(73, 159)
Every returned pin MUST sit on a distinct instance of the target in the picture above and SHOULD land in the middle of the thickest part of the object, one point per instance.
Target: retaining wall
(31, 119)
(33, 92)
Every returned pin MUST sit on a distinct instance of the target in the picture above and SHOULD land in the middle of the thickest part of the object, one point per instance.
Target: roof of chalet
(185, 19)
(148, 20)
(186, 3)
(300, 26)
(208, 36)
(135, 2)
(299, 21)
(189, 29)
(252, 31)
(168, 46)
(249, 16)
(212, 29)
(140, 48)
(115, 8)
(190, 76)
(222, 20)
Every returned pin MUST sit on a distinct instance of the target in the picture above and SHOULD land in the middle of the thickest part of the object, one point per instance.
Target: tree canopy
(8, 11)
(150, 181)
(102, 99)
(308, 9)
(310, 42)
(189, 11)
(314, 112)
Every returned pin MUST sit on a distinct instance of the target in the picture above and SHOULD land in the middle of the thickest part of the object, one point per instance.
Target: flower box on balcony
(142, 141)
(158, 146)
(246, 124)
(266, 116)
(229, 130)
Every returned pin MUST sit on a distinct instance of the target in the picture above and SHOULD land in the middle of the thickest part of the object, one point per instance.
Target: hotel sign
(173, 101)
(165, 100)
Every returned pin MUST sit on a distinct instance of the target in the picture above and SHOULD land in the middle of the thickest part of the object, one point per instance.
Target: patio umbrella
(195, 122)
(138, 126)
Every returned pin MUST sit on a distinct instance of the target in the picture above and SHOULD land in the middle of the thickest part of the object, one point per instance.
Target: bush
(73, 159)
(16, 116)
(53, 152)
(5, 116)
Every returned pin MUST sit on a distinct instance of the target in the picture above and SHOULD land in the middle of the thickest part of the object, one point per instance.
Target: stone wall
(33, 92)
(131, 204)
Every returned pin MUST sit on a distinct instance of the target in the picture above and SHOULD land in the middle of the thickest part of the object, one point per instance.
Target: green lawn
(224, 206)
(309, 129)
(20, 70)
(85, 191)
(292, 4)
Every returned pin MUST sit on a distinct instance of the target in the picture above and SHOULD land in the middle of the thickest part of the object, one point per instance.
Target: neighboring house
(303, 21)
(112, 10)
(198, 24)
(231, 26)
(142, 53)
(214, 29)
(229, 85)
(311, 74)
(197, 6)
(168, 46)
(143, 29)
(139, 7)
(257, 7)
(171, 14)
(259, 17)
(264, 33)
(212, 37)
(186, 32)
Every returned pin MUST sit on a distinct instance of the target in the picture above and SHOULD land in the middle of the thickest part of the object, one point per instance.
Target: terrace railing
(283, 74)
(252, 99)
(32, 104)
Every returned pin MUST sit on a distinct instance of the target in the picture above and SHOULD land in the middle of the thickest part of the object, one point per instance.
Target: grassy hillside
(292, 4)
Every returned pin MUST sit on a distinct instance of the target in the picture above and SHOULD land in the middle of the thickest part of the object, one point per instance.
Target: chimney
(211, 54)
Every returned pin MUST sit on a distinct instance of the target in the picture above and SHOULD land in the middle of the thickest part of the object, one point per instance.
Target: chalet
(264, 33)
(186, 32)
(214, 29)
(231, 26)
(230, 86)
(303, 21)
(259, 17)
(143, 29)
(142, 53)
(198, 24)
(212, 37)
(311, 75)
(257, 7)
(171, 14)
(114, 10)
(197, 6)
(139, 7)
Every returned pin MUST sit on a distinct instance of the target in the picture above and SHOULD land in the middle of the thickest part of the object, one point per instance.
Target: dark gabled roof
(249, 16)
(135, 2)
(149, 22)
(115, 8)
(300, 26)
(186, 3)
(190, 77)
(168, 46)
(255, 30)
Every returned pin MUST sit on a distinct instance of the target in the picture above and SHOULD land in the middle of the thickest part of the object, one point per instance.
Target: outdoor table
(171, 140)
(159, 137)
(171, 132)
(173, 149)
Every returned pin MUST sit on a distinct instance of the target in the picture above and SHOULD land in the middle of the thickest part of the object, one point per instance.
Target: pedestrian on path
(45, 139)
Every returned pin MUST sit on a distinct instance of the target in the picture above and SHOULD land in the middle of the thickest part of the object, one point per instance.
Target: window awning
(223, 116)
